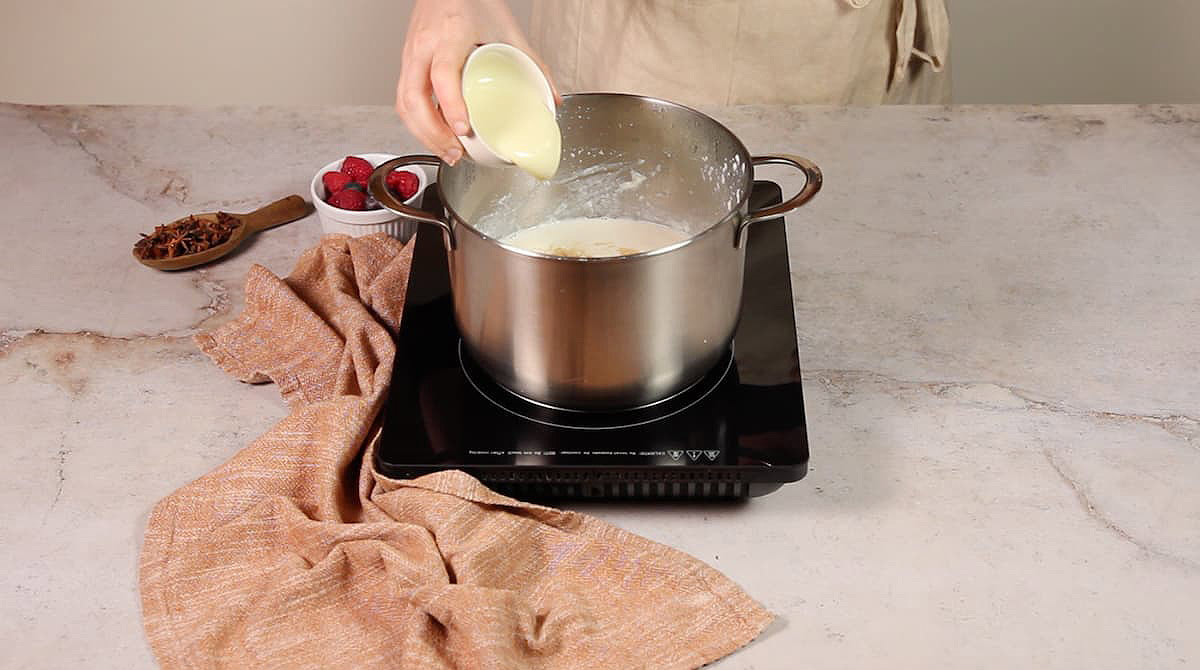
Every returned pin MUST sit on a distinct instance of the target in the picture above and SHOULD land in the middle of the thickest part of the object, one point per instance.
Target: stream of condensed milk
(508, 112)
(595, 237)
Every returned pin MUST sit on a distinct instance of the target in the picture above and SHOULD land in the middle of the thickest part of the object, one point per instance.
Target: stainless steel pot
(603, 333)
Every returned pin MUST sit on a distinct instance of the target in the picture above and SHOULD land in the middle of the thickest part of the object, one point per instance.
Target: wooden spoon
(279, 212)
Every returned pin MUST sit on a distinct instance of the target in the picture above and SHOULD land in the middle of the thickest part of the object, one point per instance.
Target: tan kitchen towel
(295, 555)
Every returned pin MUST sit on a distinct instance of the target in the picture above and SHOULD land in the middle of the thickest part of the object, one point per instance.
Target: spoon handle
(281, 211)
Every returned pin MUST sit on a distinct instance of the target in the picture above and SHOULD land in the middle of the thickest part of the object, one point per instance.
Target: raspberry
(335, 181)
(403, 183)
(349, 198)
(358, 169)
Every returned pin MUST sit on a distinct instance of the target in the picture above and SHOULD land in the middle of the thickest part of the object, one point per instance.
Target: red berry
(358, 169)
(403, 183)
(349, 198)
(335, 181)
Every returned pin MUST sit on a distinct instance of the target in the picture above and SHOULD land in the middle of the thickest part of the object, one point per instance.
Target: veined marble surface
(999, 315)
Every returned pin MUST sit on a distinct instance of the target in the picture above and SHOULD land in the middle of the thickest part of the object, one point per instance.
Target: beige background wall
(348, 51)
(1075, 50)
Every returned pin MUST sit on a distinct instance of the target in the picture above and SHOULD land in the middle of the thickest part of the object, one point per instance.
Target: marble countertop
(999, 315)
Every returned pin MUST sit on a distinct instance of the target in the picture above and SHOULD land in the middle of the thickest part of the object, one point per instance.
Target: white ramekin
(356, 223)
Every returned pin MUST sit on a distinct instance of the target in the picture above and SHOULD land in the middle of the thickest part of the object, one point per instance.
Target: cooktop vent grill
(617, 484)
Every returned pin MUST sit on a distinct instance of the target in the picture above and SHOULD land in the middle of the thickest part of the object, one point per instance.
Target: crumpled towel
(294, 554)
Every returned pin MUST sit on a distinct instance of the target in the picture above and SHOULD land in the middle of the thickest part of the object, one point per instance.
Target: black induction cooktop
(738, 432)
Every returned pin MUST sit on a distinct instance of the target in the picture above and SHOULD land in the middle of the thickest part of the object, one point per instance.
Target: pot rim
(748, 184)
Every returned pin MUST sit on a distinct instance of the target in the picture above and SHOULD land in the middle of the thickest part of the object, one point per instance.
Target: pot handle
(377, 186)
(812, 184)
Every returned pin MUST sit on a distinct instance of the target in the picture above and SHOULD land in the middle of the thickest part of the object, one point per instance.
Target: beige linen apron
(729, 52)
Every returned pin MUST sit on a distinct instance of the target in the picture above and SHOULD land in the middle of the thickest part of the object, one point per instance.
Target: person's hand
(441, 34)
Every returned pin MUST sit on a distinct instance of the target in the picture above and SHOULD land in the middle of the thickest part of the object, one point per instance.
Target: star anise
(186, 236)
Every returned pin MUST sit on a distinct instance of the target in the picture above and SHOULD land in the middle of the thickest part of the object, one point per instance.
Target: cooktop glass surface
(739, 431)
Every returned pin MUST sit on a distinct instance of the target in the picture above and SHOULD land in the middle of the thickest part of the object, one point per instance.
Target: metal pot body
(626, 332)
(603, 333)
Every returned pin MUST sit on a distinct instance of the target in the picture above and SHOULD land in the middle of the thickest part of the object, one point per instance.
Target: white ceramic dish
(355, 223)
(476, 147)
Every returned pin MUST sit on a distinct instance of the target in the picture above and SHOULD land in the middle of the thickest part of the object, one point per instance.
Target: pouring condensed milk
(512, 113)
(511, 109)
